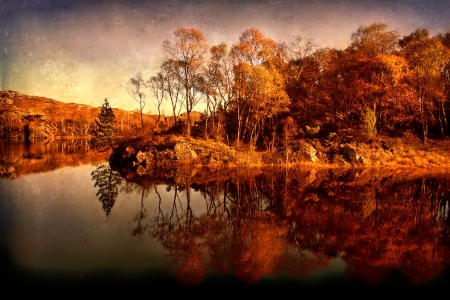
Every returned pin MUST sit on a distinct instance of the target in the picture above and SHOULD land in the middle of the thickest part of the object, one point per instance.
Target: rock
(183, 151)
(129, 151)
(349, 153)
(361, 160)
(7, 171)
(340, 162)
(312, 177)
(330, 139)
(311, 197)
(312, 130)
(308, 152)
(41, 131)
(145, 157)
(184, 176)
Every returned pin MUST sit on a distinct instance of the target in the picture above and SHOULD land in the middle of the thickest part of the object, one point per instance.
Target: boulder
(348, 153)
(129, 151)
(308, 152)
(340, 161)
(183, 151)
(146, 157)
(312, 130)
(361, 160)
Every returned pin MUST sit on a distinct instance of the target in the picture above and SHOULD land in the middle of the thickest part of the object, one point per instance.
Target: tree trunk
(188, 121)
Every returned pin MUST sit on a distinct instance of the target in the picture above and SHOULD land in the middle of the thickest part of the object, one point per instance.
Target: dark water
(79, 226)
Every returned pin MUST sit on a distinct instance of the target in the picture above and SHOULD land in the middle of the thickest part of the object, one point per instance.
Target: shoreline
(385, 153)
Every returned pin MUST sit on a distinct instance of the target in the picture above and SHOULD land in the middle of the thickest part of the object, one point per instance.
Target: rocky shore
(404, 152)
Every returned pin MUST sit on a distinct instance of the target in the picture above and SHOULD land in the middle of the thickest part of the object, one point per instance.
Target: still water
(70, 221)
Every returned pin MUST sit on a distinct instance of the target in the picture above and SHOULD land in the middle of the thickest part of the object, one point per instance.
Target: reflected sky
(55, 221)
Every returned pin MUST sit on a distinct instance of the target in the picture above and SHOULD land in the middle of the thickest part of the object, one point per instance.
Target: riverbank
(142, 155)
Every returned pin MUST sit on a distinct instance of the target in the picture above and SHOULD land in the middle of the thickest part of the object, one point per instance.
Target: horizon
(85, 51)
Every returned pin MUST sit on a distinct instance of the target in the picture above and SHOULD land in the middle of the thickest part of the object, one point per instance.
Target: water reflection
(270, 222)
(108, 182)
(18, 159)
(250, 224)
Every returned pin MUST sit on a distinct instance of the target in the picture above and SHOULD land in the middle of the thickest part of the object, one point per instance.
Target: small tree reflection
(139, 229)
(108, 182)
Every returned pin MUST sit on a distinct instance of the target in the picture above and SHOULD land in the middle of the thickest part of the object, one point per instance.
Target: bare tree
(157, 86)
(219, 79)
(136, 89)
(172, 86)
(188, 51)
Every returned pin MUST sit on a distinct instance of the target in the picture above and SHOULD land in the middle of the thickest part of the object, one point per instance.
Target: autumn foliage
(380, 83)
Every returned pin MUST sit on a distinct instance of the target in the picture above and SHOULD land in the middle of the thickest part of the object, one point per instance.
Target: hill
(25, 117)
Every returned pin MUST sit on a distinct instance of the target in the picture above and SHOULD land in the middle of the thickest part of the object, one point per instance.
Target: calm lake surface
(69, 221)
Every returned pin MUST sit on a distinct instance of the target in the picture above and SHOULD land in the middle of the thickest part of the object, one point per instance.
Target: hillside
(38, 118)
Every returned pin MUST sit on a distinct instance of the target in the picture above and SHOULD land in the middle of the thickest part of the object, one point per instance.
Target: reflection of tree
(108, 182)
(178, 233)
(234, 234)
(376, 223)
(140, 216)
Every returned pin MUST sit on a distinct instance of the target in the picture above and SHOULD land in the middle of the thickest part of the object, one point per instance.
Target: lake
(71, 222)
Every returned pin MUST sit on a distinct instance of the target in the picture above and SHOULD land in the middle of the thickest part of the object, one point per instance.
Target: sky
(83, 51)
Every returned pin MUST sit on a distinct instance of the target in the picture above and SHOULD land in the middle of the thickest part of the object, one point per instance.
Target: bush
(369, 121)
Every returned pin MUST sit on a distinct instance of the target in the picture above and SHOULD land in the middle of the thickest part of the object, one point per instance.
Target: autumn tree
(217, 85)
(374, 39)
(157, 86)
(369, 55)
(307, 86)
(253, 47)
(171, 86)
(427, 58)
(258, 86)
(136, 88)
(188, 53)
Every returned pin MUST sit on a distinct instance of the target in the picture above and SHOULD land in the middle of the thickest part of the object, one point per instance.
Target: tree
(259, 88)
(105, 127)
(218, 86)
(136, 89)
(168, 85)
(156, 84)
(260, 97)
(374, 39)
(253, 48)
(188, 54)
(427, 58)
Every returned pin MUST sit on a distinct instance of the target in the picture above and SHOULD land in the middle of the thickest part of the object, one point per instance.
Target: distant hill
(38, 118)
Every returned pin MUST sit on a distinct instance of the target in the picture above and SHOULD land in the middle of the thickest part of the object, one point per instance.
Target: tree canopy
(251, 87)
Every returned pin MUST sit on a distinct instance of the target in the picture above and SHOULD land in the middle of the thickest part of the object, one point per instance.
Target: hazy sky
(85, 50)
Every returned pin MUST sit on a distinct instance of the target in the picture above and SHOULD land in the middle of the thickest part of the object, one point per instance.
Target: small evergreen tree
(105, 127)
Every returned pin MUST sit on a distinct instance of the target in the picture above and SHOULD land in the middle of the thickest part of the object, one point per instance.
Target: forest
(261, 93)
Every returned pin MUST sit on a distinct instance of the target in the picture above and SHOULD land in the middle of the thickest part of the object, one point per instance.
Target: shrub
(369, 121)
